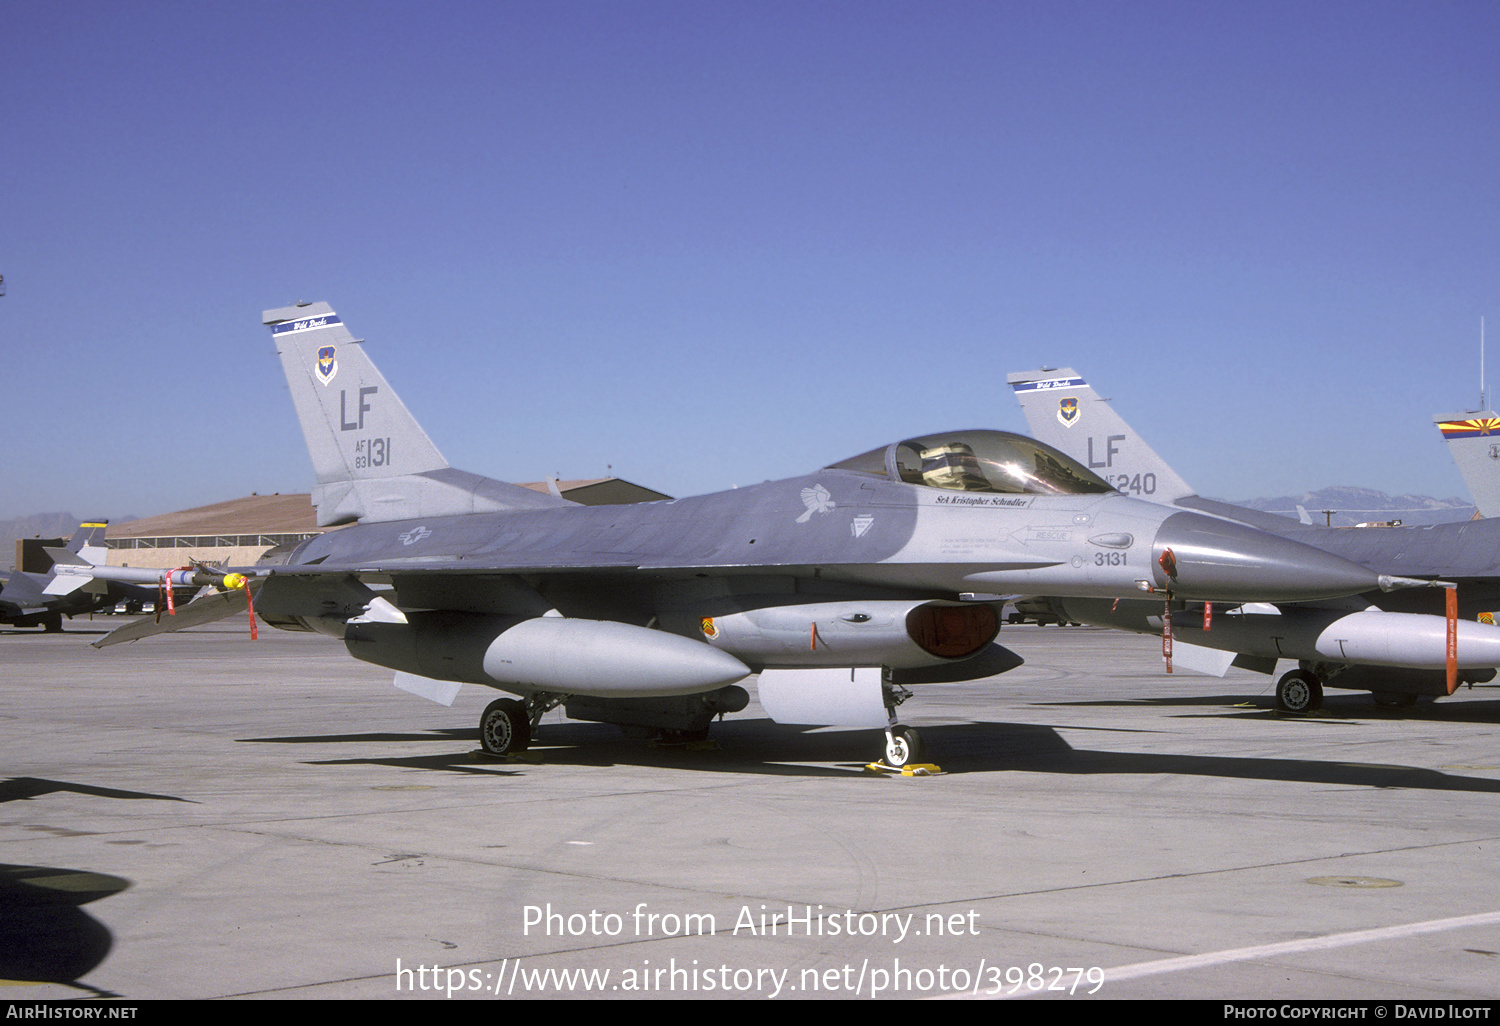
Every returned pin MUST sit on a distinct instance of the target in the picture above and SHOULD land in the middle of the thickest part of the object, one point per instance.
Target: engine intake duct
(900, 633)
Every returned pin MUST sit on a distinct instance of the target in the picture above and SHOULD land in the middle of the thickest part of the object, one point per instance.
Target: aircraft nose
(1205, 558)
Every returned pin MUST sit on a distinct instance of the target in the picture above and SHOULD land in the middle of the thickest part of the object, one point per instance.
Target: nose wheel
(903, 745)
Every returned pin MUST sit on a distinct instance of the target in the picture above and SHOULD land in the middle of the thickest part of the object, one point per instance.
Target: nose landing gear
(904, 750)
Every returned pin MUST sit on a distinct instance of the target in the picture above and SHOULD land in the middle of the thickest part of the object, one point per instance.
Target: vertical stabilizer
(1474, 441)
(373, 460)
(88, 542)
(356, 428)
(1063, 411)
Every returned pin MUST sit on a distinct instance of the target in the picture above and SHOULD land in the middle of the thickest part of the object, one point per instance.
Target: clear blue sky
(710, 243)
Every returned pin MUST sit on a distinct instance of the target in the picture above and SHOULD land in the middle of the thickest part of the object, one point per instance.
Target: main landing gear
(1299, 691)
(508, 724)
(505, 727)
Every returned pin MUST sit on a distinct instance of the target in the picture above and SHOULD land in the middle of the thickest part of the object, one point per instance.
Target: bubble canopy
(979, 461)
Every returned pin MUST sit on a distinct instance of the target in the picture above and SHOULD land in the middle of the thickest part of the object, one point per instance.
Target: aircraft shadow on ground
(21, 788)
(45, 936)
(1042, 750)
(603, 746)
(763, 747)
(38, 633)
(1341, 706)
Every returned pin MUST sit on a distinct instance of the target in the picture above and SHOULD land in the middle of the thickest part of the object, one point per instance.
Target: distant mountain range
(38, 525)
(1352, 506)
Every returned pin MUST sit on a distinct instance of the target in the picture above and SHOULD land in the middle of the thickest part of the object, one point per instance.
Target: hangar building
(240, 531)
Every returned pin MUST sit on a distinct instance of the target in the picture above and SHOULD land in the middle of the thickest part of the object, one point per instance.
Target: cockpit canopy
(979, 461)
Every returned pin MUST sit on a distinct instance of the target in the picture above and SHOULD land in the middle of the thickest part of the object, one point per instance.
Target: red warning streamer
(250, 602)
(171, 591)
(1451, 610)
(1166, 635)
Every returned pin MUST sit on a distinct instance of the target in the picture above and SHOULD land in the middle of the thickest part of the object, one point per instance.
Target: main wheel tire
(504, 728)
(1299, 692)
(903, 746)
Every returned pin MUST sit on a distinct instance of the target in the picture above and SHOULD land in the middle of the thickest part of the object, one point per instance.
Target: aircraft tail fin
(73, 565)
(373, 460)
(1474, 441)
(88, 541)
(1063, 411)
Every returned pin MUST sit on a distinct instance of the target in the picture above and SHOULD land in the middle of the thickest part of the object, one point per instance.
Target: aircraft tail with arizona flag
(1474, 441)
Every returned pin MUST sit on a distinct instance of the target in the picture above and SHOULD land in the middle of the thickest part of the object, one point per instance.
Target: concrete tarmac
(202, 816)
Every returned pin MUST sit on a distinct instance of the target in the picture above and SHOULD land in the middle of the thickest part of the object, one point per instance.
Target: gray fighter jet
(1394, 645)
(838, 588)
(66, 588)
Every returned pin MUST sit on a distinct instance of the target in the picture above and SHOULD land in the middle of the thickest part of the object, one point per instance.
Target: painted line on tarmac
(1334, 940)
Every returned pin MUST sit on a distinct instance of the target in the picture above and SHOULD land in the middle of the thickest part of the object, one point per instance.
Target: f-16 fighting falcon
(1398, 646)
(839, 588)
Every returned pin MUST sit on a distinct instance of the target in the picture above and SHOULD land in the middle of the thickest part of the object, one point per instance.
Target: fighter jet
(1394, 645)
(66, 588)
(838, 588)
